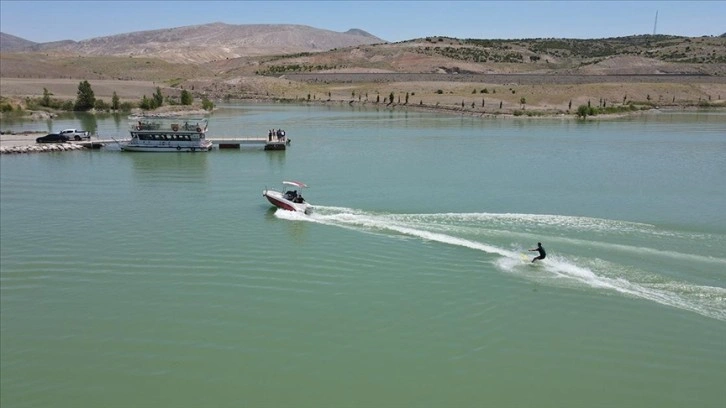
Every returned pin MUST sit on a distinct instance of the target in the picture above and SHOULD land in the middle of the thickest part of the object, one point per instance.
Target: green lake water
(167, 280)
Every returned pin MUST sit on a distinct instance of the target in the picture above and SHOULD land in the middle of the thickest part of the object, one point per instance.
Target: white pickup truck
(75, 134)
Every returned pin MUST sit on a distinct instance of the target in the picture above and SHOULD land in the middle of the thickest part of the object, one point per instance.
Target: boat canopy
(168, 123)
(295, 183)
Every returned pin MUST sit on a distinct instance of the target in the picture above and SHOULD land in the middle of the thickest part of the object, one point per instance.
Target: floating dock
(237, 142)
(221, 142)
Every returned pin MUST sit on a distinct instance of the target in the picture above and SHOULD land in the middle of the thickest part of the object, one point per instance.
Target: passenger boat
(168, 134)
(288, 198)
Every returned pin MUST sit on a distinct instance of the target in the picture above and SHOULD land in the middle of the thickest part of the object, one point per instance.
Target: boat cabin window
(144, 136)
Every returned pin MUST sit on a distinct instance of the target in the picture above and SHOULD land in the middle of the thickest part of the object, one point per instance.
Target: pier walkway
(220, 142)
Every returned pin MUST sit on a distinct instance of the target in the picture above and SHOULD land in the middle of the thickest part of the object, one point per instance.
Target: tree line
(86, 101)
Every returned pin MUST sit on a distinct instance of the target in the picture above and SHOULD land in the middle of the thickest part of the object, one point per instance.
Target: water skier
(541, 250)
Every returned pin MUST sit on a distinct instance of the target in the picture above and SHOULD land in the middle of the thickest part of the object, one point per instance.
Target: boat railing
(170, 124)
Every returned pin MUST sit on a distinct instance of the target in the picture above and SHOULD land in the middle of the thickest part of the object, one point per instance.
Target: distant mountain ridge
(12, 43)
(226, 52)
(203, 43)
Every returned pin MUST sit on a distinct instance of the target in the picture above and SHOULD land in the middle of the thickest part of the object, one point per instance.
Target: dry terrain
(482, 77)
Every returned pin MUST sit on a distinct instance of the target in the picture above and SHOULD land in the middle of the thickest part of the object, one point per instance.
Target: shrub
(146, 103)
(68, 105)
(100, 105)
(125, 106)
(584, 111)
(186, 97)
(207, 104)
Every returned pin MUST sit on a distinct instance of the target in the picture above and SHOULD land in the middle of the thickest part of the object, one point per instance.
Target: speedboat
(288, 198)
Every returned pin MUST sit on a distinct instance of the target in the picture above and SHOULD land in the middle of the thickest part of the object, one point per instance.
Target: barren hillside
(286, 62)
(12, 43)
(209, 42)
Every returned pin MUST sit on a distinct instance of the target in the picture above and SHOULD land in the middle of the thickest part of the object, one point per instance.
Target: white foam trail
(511, 261)
(578, 223)
(291, 215)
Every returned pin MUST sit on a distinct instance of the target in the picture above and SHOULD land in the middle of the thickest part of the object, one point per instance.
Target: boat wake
(658, 276)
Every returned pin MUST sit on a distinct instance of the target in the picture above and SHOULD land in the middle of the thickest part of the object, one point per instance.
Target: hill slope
(10, 43)
(208, 42)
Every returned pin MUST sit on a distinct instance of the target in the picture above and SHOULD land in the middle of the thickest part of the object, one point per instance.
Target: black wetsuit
(542, 253)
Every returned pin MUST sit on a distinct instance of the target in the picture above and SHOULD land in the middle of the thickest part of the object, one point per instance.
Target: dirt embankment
(477, 94)
(64, 88)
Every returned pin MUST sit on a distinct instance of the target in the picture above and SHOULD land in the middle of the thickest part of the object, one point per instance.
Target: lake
(147, 280)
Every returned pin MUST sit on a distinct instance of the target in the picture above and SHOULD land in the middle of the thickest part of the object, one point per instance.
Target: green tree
(186, 97)
(146, 103)
(46, 97)
(85, 99)
(523, 101)
(114, 101)
(207, 104)
(158, 98)
(390, 97)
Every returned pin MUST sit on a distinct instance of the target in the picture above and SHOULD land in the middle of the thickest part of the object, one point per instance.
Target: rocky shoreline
(40, 148)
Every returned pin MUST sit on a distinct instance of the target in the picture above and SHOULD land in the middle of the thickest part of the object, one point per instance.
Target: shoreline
(23, 137)
(24, 141)
(538, 96)
(458, 111)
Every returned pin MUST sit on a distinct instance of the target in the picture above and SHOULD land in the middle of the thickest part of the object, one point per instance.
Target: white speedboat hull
(278, 200)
